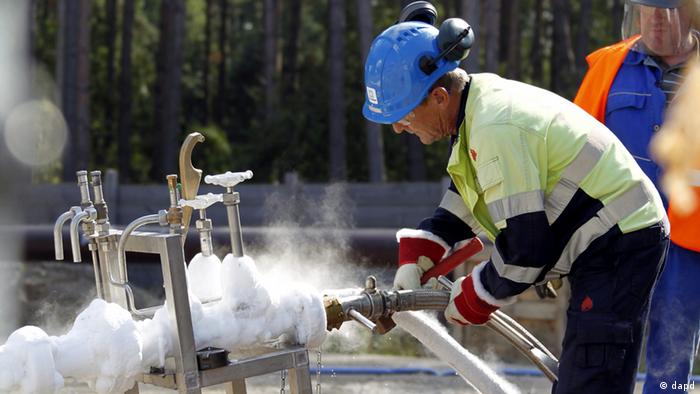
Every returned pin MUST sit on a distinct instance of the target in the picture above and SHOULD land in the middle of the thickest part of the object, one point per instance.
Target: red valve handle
(446, 265)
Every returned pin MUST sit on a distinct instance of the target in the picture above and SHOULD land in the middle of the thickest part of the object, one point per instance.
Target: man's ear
(440, 95)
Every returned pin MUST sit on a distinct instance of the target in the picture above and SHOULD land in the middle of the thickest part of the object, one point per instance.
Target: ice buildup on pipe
(471, 368)
(107, 349)
(204, 271)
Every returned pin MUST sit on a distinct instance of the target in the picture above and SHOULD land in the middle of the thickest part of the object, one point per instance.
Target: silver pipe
(234, 223)
(204, 227)
(75, 235)
(520, 338)
(121, 258)
(58, 231)
(97, 186)
(172, 190)
(524, 332)
(96, 269)
(121, 247)
(358, 317)
(84, 188)
(548, 365)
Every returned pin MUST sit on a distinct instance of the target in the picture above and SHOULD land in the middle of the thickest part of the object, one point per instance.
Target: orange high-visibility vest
(592, 96)
(685, 230)
(603, 65)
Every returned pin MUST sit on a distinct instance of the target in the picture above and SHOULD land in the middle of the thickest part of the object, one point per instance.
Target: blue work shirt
(635, 109)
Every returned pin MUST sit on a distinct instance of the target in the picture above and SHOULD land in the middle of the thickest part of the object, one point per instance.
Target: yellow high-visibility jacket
(543, 180)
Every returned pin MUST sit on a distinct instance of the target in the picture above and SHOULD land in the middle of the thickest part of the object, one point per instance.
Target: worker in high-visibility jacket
(553, 188)
(628, 87)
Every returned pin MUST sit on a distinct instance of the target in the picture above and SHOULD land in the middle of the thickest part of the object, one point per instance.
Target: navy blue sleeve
(447, 225)
(523, 255)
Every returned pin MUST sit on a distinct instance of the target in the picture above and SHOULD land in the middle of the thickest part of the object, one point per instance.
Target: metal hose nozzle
(377, 304)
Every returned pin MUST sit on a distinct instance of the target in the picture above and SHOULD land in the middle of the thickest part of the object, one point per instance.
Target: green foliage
(215, 154)
(239, 134)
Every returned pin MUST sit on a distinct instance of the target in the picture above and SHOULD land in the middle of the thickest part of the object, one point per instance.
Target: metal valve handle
(228, 179)
(203, 201)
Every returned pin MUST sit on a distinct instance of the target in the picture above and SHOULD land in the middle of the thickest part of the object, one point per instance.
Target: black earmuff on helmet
(455, 36)
(418, 11)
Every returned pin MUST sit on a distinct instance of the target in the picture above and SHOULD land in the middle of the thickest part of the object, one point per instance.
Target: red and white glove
(470, 303)
(419, 250)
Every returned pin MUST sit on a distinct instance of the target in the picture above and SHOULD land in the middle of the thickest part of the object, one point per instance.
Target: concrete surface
(376, 384)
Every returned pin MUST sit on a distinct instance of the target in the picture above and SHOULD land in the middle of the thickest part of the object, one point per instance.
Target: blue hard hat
(394, 81)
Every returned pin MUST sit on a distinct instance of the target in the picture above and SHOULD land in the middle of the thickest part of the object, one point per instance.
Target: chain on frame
(318, 371)
(283, 379)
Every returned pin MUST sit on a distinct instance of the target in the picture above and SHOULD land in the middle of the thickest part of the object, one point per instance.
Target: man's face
(665, 31)
(426, 121)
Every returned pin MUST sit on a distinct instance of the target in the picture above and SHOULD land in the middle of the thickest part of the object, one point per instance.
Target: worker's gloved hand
(466, 307)
(418, 252)
(408, 275)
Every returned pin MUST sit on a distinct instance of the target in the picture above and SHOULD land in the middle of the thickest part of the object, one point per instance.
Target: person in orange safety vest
(628, 87)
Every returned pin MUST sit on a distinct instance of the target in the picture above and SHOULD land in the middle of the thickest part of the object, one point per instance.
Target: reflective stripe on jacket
(530, 160)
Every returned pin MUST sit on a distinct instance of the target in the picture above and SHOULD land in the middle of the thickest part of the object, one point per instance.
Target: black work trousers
(611, 285)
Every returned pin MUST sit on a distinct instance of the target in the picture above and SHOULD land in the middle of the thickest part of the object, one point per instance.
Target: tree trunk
(32, 27)
(207, 61)
(617, 11)
(220, 106)
(537, 53)
(562, 53)
(513, 42)
(111, 16)
(270, 62)
(73, 71)
(491, 31)
(415, 151)
(583, 36)
(470, 11)
(416, 158)
(168, 92)
(124, 122)
(375, 144)
(291, 48)
(336, 112)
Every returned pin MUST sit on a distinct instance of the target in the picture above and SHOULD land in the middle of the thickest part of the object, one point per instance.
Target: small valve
(203, 224)
(203, 201)
(228, 179)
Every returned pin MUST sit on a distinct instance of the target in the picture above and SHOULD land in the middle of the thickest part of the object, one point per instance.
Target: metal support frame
(187, 378)
(107, 254)
(107, 262)
(295, 360)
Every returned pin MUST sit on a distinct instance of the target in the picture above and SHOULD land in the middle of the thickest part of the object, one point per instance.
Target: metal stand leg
(300, 380)
(235, 387)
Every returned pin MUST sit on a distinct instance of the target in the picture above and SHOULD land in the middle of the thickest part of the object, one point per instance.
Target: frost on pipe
(471, 368)
(107, 349)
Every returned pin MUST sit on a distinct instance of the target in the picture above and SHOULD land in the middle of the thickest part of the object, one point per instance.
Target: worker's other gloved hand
(418, 252)
(465, 306)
